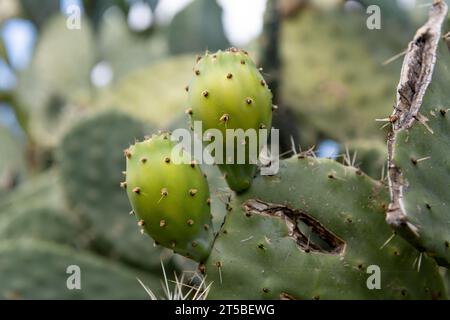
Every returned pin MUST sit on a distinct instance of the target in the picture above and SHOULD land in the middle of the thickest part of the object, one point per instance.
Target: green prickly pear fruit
(170, 197)
(228, 92)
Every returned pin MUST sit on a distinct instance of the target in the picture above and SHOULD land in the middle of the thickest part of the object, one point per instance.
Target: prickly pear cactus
(228, 92)
(91, 170)
(32, 269)
(323, 238)
(170, 196)
(419, 160)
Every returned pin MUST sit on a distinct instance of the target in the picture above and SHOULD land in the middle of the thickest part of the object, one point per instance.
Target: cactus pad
(315, 240)
(419, 158)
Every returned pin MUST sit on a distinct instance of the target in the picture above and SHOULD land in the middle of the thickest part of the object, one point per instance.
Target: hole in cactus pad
(307, 232)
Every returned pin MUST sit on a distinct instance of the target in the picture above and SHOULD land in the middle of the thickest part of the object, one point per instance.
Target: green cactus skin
(33, 269)
(170, 197)
(228, 92)
(256, 257)
(91, 171)
(419, 158)
(219, 190)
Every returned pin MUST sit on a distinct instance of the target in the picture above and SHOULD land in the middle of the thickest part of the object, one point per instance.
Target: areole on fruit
(227, 91)
(170, 196)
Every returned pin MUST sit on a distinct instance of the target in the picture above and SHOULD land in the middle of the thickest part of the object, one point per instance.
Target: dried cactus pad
(419, 144)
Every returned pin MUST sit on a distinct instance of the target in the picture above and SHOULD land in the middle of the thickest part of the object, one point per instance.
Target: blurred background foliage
(71, 100)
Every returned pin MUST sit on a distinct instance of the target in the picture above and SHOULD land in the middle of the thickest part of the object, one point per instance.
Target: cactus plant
(23, 277)
(326, 220)
(91, 170)
(315, 230)
(228, 92)
(170, 196)
(418, 143)
(315, 214)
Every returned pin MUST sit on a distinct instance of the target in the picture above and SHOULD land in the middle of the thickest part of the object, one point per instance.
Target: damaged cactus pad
(419, 145)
